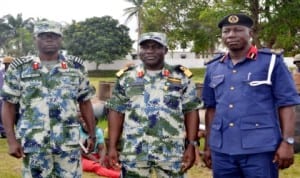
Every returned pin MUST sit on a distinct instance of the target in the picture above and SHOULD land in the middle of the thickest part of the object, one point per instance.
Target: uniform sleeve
(208, 95)
(190, 100)
(86, 90)
(119, 99)
(284, 89)
(11, 90)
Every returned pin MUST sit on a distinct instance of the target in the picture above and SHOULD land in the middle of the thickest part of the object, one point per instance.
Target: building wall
(190, 61)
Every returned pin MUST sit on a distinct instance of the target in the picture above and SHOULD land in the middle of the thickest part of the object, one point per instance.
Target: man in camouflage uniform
(153, 105)
(47, 89)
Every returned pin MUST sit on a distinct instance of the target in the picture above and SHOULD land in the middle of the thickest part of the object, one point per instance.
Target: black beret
(236, 19)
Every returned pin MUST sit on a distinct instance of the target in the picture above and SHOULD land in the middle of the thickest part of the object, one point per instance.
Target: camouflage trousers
(66, 164)
(145, 169)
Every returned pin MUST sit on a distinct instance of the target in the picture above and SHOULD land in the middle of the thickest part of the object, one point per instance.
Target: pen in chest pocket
(249, 76)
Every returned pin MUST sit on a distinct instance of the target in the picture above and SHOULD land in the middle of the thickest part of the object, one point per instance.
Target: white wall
(188, 62)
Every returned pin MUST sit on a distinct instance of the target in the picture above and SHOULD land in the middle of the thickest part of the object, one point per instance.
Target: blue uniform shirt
(246, 119)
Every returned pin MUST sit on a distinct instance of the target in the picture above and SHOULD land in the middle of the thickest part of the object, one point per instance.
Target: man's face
(48, 43)
(152, 54)
(236, 37)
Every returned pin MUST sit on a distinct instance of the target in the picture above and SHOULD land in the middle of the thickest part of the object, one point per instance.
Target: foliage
(98, 39)
(194, 22)
(16, 39)
(176, 18)
(136, 10)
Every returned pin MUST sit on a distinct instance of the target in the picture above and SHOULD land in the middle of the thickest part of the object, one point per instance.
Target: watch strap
(192, 142)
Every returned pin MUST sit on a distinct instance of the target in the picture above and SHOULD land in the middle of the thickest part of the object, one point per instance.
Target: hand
(90, 144)
(113, 159)
(284, 155)
(188, 158)
(197, 156)
(207, 158)
(15, 149)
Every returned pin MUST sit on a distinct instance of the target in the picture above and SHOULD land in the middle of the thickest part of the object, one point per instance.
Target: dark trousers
(244, 166)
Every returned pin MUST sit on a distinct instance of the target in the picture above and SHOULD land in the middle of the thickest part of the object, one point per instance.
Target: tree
(138, 11)
(179, 19)
(98, 39)
(16, 35)
(195, 22)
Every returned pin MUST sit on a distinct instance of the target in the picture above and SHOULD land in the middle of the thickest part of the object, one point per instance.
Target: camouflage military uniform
(153, 129)
(48, 125)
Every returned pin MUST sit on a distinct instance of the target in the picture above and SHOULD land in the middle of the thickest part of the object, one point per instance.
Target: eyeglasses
(44, 36)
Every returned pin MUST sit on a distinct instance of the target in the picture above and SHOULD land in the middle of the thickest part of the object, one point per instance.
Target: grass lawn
(11, 167)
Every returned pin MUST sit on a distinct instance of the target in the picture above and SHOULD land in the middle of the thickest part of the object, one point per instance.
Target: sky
(68, 10)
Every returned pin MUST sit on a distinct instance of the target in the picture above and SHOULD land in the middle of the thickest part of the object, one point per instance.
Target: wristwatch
(92, 137)
(289, 140)
(194, 143)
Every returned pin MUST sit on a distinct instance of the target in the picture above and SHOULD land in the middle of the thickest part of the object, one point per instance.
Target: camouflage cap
(160, 38)
(47, 26)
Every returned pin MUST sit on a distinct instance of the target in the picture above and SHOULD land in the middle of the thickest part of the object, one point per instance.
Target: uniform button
(256, 124)
(231, 106)
(232, 88)
(234, 71)
(231, 124)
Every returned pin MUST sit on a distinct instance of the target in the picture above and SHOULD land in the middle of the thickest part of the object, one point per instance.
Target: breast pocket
(254, 91)
(215, 83)
(135, 89)
(69, 86)
(32, 89)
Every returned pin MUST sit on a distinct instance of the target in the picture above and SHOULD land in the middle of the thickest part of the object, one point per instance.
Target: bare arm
(87, 113)
(115, 128)
(284, 155)
(191, 121)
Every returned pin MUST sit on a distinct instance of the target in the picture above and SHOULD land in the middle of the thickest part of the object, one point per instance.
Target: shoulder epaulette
(75, 59)
(215, 58)
(270, 51)
(123, 70)
(20, 61)
(185, 70)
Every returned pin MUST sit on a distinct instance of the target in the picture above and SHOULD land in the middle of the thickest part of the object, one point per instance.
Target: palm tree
(18, 35)
(5, 32)
(136, 10)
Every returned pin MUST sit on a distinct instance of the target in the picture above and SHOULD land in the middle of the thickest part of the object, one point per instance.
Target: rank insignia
(64, 65)
(186, 71)
(35, 65)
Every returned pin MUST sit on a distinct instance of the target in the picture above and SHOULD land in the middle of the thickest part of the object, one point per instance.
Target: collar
(37, 62)
(140, 71)
(251, 54)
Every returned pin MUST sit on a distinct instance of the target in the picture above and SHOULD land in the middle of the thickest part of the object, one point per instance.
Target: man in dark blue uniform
(249, 97)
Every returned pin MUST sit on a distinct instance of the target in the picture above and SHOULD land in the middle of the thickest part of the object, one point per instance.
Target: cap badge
(233, 19)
